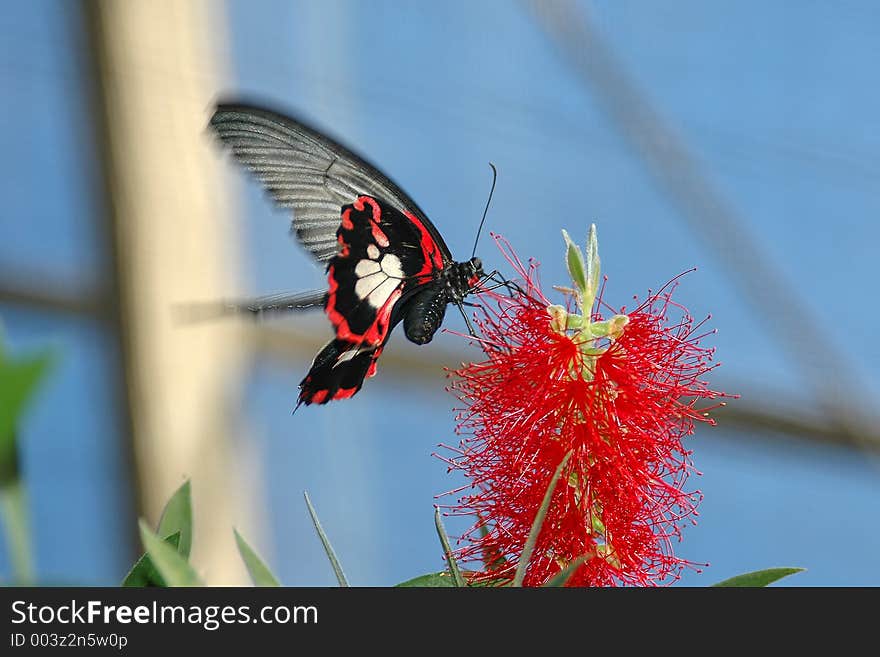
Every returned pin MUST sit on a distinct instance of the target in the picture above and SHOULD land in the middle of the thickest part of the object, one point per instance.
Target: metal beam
(21, 291)
(157, 68)
(297, 347)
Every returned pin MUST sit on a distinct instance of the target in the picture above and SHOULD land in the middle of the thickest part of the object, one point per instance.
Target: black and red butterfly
(386, 262)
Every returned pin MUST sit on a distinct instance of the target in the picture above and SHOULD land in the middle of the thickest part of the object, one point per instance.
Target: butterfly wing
(307, 171)
(384, 258)
(338, 371)
(384, 255)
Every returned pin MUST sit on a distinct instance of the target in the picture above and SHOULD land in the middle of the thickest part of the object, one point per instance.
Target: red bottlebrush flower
(618, 393)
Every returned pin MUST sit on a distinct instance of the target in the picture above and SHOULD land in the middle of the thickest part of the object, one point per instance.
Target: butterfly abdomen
(425, 312)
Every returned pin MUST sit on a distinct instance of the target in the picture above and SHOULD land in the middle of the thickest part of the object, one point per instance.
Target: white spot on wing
(377, 281)
(373, 252)
(366, 268)
(380, 295)
(366, 286)
(346, 356)
(391, 266)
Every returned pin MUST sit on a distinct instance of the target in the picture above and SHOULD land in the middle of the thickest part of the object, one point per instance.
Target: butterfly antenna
(486, 210)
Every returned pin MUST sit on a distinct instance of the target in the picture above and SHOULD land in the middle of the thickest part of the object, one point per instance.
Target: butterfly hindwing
(338, 371)
(384, 256)
(385, 259)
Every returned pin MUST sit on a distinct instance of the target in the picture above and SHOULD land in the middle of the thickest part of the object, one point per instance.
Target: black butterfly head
(476, 271)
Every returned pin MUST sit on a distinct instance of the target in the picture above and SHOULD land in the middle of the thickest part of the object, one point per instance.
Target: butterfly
(386, 263)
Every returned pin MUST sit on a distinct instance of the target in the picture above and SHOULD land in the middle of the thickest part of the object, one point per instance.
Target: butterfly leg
(495, 287)
(510, 286)
(467, 321)
(476, 289)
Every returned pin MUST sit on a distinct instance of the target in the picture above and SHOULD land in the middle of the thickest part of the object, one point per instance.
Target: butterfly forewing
(308, 172)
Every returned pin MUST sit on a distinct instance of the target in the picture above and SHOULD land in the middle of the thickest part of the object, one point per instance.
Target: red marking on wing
(378, 329)
(345, 393)
(321, 396)
(347, 223)
(337, 318)
(345, 250)
(430, 251)
(373, 336)
(372, 371)
(378, 234)
(363, 201)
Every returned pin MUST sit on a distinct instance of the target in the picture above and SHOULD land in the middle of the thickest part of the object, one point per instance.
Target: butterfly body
(386, 263)
(427, 308)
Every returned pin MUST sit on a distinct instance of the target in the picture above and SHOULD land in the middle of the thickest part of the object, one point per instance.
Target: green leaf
(259, 572)
(457, 579)
(173, 568)
(177, 517)
(9, 468)
(431, 580)
(144, 573)
(337, 568)
(19, 379)
(574, 261)
(15, 521)
(758, 578)
(529, 547)
(176, 525)
(561, 578)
